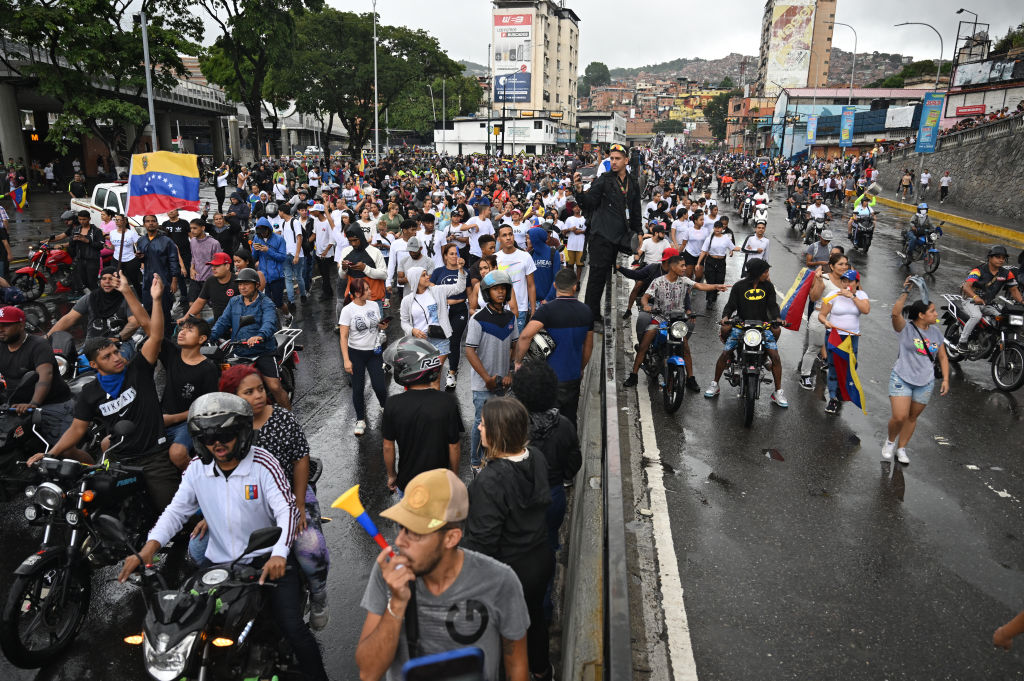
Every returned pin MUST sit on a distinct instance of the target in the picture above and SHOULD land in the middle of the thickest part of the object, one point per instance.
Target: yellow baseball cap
(432, 500)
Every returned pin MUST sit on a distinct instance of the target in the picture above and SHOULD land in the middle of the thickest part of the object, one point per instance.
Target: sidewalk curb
(1012, 235)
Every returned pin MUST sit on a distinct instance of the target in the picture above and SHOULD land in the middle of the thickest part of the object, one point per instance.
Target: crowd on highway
(480, 260)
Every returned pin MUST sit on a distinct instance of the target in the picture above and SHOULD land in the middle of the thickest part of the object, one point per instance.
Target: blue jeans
(307, 270)
(833, 380)
(475, 453)
(521, 321)
(293, 274)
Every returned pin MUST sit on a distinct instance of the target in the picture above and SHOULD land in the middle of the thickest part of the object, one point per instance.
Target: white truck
(114, 195)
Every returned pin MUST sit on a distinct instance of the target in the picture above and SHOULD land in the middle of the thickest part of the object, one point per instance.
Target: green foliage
(717, 110)
(1014, 38)
(414, 110)
(727, 83)
(597, 74)
(913, 70)
(668, 126)
(71, 46)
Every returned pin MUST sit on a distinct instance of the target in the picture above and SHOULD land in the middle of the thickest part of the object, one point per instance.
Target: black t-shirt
(422, 423)
(137, 402)
(33, 352)
(77, 189)
(4, 236)
(218, 295)
(179, 233)
(185, 382)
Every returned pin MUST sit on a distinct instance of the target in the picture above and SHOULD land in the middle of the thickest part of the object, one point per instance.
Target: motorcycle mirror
(247, 320)
(111, 528)
(263, 538)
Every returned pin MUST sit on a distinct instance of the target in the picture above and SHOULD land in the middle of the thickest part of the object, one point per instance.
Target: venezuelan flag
(162, 180)
(845, 363)
(20, 197)
(796, 299)
(362, 161)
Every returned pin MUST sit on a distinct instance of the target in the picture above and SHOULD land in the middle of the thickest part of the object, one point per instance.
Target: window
(101, 196)
(537, 125)
(483, 125)
(531, 148)
(113, 202)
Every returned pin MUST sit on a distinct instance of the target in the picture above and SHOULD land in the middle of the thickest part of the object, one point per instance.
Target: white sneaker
(901, 456)
(360, 428)
(887, 450)
(449, 382)
(779, 398)
(712, 390)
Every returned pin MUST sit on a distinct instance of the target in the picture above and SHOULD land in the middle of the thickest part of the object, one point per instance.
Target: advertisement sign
(991, 71)
(897, 117)
(846, 126)
(513, 53)
(789, 51)
(928, 130)
(972, 110)
(812, 129)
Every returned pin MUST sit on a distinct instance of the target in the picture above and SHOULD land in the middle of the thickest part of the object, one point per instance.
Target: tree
(727, 83)
(717, 110)
(1014, 38)
(415, 110)
(912, 70)
(597, 74)
(668, 126)
(87, 54)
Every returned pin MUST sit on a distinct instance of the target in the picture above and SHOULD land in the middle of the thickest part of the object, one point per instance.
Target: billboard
(986, 72)
(846, 126)
(928, 128)
(513, 53)
(789, 49)
(812, 129)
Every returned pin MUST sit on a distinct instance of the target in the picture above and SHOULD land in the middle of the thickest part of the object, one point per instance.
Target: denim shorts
(178, 434)
(443, 345)
(736, 334)
(917, 393)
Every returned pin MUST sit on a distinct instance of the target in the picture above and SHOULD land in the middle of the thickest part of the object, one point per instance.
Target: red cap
(220, 259)
(668, 253)
(11, 315)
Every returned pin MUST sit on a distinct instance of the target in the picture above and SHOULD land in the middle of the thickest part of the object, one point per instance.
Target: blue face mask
(111, 383)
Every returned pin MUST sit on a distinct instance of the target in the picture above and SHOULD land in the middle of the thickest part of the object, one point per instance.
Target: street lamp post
(853, 69)
(376, 112)
(141, 19)
(974, 31)
(938, 71)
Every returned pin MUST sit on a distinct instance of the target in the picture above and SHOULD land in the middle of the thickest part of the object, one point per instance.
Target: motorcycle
(50, 266)
(799, 216)
(19, 439)
(750, 365)
(924, 249)
(761, 213)
(664, 359)
(813, 230)
(748, 207)
(998, 338)
(724, 191)
(286, 355)
(48, 600)
(863, 232)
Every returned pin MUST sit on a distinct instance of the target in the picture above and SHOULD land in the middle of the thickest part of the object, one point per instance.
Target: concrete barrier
(1004, 234)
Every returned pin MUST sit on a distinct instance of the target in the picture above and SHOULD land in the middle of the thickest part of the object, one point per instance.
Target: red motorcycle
(50, 266)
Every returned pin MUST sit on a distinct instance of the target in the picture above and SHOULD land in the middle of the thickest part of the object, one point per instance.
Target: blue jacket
(547, 261)
(266, 324)
(159, 256)
(271, 263)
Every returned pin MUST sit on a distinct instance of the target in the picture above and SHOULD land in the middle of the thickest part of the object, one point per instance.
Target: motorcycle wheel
(32, 629)
(931, 262)
(749, 399)
(672, 391)
(953, 337)
(288, 380)
(1008, 367)
(31, 286)
(62, 276)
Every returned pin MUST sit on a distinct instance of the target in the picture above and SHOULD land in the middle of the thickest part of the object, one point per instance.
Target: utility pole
(444, 124)
(376, 107)
(490, 100)
(141, 18)
(504, 98)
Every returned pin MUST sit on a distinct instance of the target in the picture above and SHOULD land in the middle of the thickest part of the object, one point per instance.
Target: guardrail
(987, 131)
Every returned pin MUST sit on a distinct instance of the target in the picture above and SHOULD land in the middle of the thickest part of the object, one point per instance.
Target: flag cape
(796, 299)
(20, 196)
(162, 180)
(845, 363)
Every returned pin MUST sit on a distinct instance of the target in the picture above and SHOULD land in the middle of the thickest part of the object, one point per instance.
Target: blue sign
(928, 128)
(812, 129)
(512, 87)
(846, 128)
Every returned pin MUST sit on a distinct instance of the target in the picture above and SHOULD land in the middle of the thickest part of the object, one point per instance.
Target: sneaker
(319, 615)
(901, 456)
(449, 383)
(832, 406)
(476, 470)
(963, 346)
(779, 398)
(712, 390)
(807, 382)
(303, 298)
(360, 427)
(630, 381)
(887, 450)
(691, 384)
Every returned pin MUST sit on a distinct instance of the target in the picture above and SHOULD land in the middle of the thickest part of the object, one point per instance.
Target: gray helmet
(271, 208)
(247, 274)
(541, 346)
(220, 415)
(492, 279)
(68, 215)
(413, 361)
(998, 249)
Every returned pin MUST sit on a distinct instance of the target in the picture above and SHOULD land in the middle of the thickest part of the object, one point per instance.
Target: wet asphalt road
(801, 555)
(324, 408)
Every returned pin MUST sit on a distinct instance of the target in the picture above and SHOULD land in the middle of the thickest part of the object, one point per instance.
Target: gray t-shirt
(483, 605)
(818, 251)
(97, 325)
(492, 336)
(407, 262)
(913, 365)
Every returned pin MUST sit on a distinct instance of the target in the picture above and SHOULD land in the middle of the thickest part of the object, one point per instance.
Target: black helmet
(223, 415)
(68, 215)
(413, 361)
(998, 249)
(492, 279)
(541, 346)
(247, 274)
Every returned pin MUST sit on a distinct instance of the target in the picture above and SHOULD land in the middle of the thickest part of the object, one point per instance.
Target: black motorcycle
(998, 338)
(664, 359)
(19, 438)
(799, 217)
(49, 597)
(813, 229)
(750, 365)
(286, 355)
(863, 232)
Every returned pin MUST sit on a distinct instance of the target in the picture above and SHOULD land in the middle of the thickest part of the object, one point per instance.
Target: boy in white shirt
(755, 245)
(477, 226)
(575, 227)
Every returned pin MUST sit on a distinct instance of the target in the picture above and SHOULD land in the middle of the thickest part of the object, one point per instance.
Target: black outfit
(555, 435)
(185, 382)
(613, 210)
(760, 305)
(458, 313)
(218, 295)
(363, 362)
(137, 401)
(34, 352)
(106, 314)
(228, 237)
(77, 189)
(507, 521)
(160, 256)
(86, 256)
(422, 423)
(179, 231)
(5, 265)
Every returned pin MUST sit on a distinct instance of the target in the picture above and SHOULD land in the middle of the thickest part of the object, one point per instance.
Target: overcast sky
(619, 33)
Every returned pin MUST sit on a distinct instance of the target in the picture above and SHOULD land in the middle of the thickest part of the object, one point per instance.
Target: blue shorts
(917, 393)
(737, 333)
(442, 345)
(178, 435)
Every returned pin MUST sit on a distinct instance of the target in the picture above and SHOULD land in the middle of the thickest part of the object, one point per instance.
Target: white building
(531, 135)
(602, 127)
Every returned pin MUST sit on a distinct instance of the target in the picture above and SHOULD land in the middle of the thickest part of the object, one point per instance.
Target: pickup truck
(114, 195)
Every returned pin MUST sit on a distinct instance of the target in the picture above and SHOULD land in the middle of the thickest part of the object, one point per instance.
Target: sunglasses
(215, 437)
(617, 147)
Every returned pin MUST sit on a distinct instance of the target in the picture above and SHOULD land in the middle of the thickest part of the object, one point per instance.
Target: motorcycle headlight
(31, 253)
(752, 338)
(678, 330)
(49, 496)
(933, 237)
(1016, 320)
(167, 664)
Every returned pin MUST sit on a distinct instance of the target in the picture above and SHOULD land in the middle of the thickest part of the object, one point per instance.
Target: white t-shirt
(517, 264)
(222, 179)
(322, 237)
(368, 227)
(432, 245)
(652, 250)
(752, 243)
(925, 179)
(575, 241)
(314, 178)
(479, 228)
(520, 232)
(280, 191)
(361, 321)
(130, 238)
(845, 314)
(291, 231)
(817, 211)
(718, 245)
(945, 181)
(695, 238)
(424, 311)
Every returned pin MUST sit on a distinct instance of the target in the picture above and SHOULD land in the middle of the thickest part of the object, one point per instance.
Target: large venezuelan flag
(20, 197)
(845, 363)
(796, 299)
(162, 180)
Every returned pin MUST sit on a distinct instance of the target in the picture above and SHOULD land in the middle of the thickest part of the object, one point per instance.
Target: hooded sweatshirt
(376, 270)
(508, 503)
(556, 436)
(547, 261)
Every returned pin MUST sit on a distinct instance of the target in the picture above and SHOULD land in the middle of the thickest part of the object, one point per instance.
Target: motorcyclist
(865, 211)
(798, 197)
(818, 209)
(257, 496)
(920, 226)
(761, 196)
(754, 299)
(983, 284)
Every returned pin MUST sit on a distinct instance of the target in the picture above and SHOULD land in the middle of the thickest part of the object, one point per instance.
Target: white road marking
(999, 492)
(677, 628)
